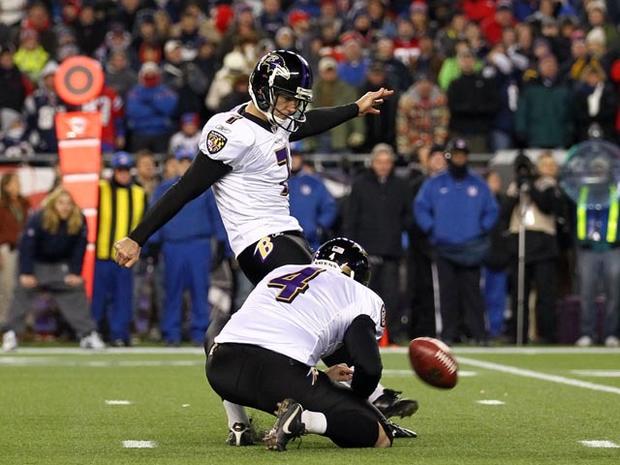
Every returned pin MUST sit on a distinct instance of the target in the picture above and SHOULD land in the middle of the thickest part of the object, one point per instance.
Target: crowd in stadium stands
(470, 76)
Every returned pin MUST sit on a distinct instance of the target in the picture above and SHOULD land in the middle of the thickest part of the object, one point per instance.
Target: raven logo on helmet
(277, 73)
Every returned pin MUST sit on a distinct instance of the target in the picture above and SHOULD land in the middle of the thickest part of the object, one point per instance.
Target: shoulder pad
(226, 129)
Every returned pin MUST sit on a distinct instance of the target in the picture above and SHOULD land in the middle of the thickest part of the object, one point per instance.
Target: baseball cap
(437, 148)
(376, 67)
(183, 153)
(122, 160)
(418, 6)
(504, 5)
(190, 118)
(150, 67)
(172, 45)
(458, 144)
(327, 63)
(50, 68)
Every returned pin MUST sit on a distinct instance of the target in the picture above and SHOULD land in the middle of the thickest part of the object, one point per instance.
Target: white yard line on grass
(517, 350)
(113, 363)
(597, 443)
(384, 350)
(597, 373)
(139, 444)
(406, 373)
(118, 402)
(490, 402)
(538, 375)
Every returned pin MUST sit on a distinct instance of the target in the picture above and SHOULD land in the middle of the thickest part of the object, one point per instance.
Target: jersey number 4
(293, 284)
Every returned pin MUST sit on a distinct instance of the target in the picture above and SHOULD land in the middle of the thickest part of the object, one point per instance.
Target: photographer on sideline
(534, 198)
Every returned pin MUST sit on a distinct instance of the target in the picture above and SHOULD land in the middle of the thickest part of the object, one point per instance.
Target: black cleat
(391, 404)
(288, 426)
(398, 432)
(241, 435)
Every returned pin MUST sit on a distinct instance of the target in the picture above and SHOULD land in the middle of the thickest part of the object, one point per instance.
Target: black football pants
(273, 251)
(259, 378)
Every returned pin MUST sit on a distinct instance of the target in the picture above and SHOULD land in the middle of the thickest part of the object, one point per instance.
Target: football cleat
(241, 435)
(398, 431)
(391, 404)
(288, 426)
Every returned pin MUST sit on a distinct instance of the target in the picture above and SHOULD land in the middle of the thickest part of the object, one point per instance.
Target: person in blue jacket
(150, 108)
(457, 210)
(186, 243)
(310, 201)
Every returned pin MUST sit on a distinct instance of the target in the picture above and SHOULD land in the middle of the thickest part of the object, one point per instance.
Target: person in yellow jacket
(121, 206)
(598, 253)
(30, 57)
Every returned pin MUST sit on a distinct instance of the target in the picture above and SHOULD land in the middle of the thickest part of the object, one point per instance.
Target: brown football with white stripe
(432, 360)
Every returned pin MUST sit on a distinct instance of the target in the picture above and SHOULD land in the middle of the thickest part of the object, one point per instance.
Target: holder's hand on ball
(340, 372)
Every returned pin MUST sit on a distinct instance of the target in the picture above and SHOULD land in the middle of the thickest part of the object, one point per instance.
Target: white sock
(315, 422)
(378, 392)
(235, 413)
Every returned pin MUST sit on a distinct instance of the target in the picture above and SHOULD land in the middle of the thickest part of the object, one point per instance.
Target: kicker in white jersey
(253, 198)
(303, 312)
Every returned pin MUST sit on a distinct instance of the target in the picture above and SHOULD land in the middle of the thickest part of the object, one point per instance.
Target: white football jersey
(303, 312)
(252, 198)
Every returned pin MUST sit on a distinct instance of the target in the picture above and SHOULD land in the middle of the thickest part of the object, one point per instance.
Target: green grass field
(53, 410)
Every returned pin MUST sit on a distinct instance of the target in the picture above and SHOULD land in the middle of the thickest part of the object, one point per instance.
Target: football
(433, 362)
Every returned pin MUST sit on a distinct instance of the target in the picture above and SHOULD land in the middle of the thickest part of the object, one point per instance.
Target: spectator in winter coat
(186, 244)
(598, 252)
(50, 259)
(119, 76)
(544, 117)
(150, 106)
(422, 117)
(189, 135)
(376, 215)
(354, 67)
(492, 26)
(146, 172)
(380, 130)
(238, 95)
(419, 265)
(121, 206)
(234, 65)
(473, 101)
(451, 68)
(534, 201)
(272, 18)
(596, 105)
(507, 67)
(597, 11)
(13, 215)
(394, 68)
(496, 263)
(13, 83)
(330, 90)
(184, 77)
(111, 107)
(457, 210)
(89, 30)
(41, 108)
(30, 57)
